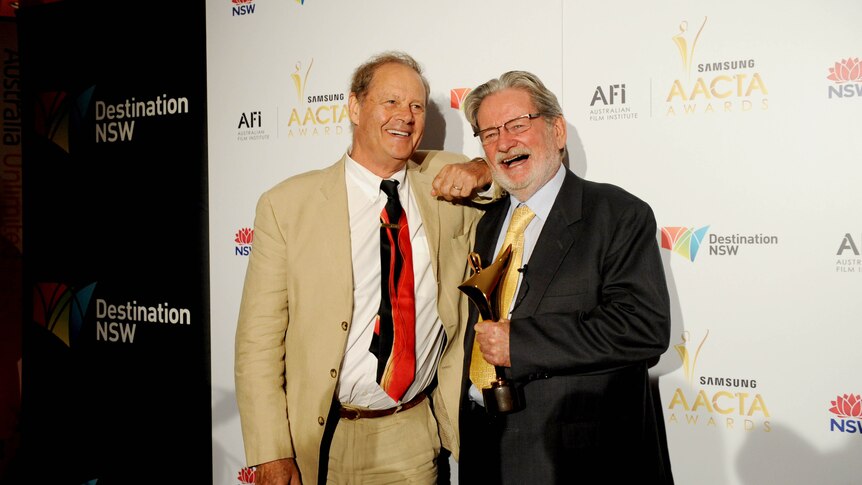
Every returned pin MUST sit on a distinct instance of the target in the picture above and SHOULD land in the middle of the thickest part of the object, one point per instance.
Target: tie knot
(390, 188)
(520, 219)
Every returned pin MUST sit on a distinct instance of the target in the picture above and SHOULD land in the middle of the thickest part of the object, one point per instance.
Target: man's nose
(405, 114)
(506, 140)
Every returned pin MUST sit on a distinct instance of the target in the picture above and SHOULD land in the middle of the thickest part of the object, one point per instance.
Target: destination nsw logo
(682, 240)
(687, 242)
(316, 113)
(118, 322)
(715, 401)
(456, 97)
(57, 114)
(60, 308)
(726, 85)
(847, 411)
(115, 119)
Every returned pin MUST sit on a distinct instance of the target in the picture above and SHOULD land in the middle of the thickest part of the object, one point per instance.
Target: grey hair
(545, 101)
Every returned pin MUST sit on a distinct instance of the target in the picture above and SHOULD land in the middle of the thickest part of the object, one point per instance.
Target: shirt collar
(368, 182)
(543, 200)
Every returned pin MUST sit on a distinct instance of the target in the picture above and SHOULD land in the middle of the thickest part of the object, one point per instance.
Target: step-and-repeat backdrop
(105, 102)
(737, 121)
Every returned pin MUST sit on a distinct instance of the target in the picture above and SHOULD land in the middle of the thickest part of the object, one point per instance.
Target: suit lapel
(429, 211)
(488, 230)
(553, 244)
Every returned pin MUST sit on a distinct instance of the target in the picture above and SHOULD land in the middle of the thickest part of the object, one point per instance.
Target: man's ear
(560, 132)
(353, 104)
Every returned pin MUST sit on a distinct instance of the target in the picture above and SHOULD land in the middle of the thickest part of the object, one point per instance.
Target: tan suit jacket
(297, 305)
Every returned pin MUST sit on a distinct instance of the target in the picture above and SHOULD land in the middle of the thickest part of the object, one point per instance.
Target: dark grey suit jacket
(591, 314)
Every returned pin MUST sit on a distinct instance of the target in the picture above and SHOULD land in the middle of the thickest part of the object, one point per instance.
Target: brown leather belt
(353, 413)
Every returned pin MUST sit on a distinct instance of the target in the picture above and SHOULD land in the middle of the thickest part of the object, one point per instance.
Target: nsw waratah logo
(456, 97)
(61, 309)
(683, 240)
(243, 239)
(246, 475)
(847, 406)
(846, 76)
(242, 7)
(846, 70)
(54, 112)
(847, 411)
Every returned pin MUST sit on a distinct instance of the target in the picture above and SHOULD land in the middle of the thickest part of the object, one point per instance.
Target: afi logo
(848, 243)
(251, 120)
(614, 91)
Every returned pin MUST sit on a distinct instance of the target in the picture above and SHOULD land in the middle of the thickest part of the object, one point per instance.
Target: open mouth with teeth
(398, 133)
(514, 159)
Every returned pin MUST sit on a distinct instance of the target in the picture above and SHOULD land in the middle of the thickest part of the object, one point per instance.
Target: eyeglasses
(513, 126)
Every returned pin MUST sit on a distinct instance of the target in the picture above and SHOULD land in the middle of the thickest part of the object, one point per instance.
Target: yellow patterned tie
(481, 372)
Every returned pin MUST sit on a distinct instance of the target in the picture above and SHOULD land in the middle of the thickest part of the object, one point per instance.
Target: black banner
(116, 280)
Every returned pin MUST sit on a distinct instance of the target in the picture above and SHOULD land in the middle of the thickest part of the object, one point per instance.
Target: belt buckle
(353, 414)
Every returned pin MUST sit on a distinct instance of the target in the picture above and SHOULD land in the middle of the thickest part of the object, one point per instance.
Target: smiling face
(521, 163)
(389, 120)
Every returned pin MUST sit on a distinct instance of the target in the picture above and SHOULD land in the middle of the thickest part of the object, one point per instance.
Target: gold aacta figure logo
(300, 81)
(689, 362)
(686, 52)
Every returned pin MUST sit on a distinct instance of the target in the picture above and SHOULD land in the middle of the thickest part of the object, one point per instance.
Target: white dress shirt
(357, 383)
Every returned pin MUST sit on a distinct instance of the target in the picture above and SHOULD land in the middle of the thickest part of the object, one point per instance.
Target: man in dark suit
(590, 312)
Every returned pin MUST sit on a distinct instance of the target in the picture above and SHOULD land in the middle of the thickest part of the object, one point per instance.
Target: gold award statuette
(483, 289)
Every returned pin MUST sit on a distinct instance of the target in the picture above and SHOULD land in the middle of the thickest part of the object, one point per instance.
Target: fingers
(459, 180)
(449, 184)
(493, 340)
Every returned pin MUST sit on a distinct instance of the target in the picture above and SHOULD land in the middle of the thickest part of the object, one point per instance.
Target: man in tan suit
(305, 378)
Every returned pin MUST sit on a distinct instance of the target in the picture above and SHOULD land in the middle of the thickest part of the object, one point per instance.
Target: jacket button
(333, 373)
(320, 420)
(344, 326)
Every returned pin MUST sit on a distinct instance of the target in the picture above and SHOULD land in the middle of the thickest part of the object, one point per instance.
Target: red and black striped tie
(394, 338)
